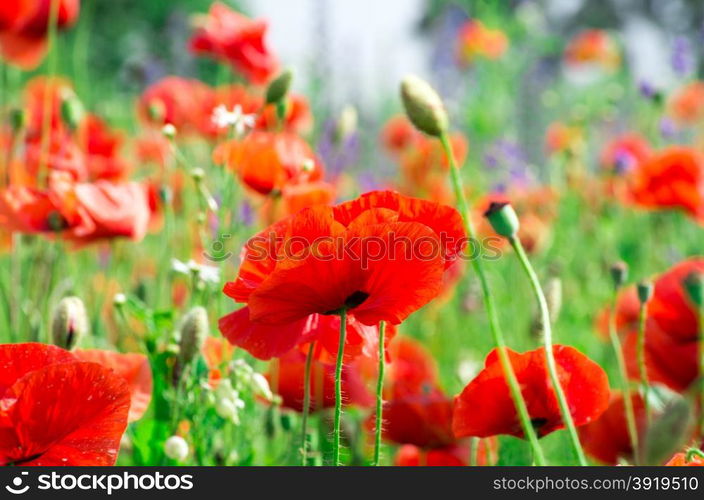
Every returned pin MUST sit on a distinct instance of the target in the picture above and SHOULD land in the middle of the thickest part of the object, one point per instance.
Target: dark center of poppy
(538, 423)
(353, 300)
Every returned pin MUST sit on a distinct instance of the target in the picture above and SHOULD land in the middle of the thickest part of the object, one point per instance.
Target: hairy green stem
(642, 369)
(306, 404)
(549, 354)
(379, 395)
(507, 368)
(338, 388)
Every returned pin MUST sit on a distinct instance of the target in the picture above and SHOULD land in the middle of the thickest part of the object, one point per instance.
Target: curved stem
(621, 363)
(379, 395)
(549, 354)
(642, 369)
(306, 404)
(338, 389)
(506, 367)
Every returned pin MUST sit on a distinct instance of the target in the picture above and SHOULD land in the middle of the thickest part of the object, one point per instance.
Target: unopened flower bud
(424, 107)
(176, 448)
(347, 123)
(194, 330)
(279, 87)
(503, 219)
(169, 131)
(69, 322)
(119, 299)
(694, 286)
(72, 111)
(198, 174)
(308, 165)
(18, 119)
(645, 291)
(619, 274)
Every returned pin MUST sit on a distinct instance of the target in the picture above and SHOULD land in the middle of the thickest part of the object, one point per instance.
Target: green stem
(507, 368)
(306, 404)
(474, 451)
(379, 395)
(46, 104)
(621, 363)
(701, 371)
(547, 342)
(642, 369)
(338, 388)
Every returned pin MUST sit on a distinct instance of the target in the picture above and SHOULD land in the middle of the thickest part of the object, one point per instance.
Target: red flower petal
(17, 360)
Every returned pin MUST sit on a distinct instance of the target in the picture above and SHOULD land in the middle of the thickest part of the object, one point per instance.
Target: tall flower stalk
(427, 113)
(306, 404)
(505, 222)
(619, 273)
(645, 292)
(379, 395)
(338, 388)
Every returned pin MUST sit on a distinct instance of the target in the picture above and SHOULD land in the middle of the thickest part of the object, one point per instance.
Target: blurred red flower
(24, 26)
(686, 105)
(475, 40)
(672, 329)
(681, 460)
(266, 162)
(57, 410)
(232, 38)
(606, 439)
(593, 47)
(671, 178)
(485, 408)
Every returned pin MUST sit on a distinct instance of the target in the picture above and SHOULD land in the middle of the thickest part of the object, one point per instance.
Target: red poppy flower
(485, 408)
(287, 376)
(275, 280)
(687, 104)
(593, 47)
(476, 40)
(268, 161)
(230, 37)
(671, 178)
(101, 146)
(24, 25)
(607, 439)
(672, 329)
(425, 162)
(133, 368)
(625, 153)
(412, 370)
(398, 134)
(186, 104)
(56, 410)
(296, 197)
(108, 210)
(680, 460)
(29, 210)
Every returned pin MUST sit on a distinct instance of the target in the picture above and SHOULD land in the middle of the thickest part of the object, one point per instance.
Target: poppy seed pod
(176, 448)
(279, 87)
(18, 119)
(72, 111)
(194, 330)
(645, 292)
(423, 106)
(694, 286)
(503, 219)
(69, 322)
(619, 274)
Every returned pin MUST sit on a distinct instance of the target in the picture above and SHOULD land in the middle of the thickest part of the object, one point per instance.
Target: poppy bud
(347, 123)
(194, 330)
(694, 285)
(69, 322)
(119, 299)
(176, 448)
(72, 111)
(619, 274)
(423, 106)
(198, 174)
(279, 87)
(645, 291)
(18, 119)
(503, 219)
(169, 131)
(308, 165)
